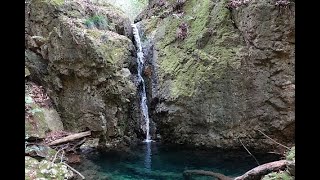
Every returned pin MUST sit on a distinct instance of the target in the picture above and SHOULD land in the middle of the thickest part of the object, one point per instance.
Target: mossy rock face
(78, 12)
(291, 157)
(36, 126)
(45, 170)
(40, 151)
(113, 47)
(41, 119)
(52, 119)
(232, 74)
(86, 71)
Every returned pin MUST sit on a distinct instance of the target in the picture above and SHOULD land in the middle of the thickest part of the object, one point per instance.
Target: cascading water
(142, 92)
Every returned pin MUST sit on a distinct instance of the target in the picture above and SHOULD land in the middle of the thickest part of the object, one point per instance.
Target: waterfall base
(156, 161)
(148, 140)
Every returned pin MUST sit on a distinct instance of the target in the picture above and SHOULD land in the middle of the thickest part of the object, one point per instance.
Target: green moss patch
(291, 154)
(45, 169)
(278, 176)
(113, 47)
(36, 126)
(54, 2)
(97, 21)
(184, 61)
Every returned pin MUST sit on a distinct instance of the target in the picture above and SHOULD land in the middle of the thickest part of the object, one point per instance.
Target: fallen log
(188, 173)
(258, 172)
(253, 174)
(71, 137)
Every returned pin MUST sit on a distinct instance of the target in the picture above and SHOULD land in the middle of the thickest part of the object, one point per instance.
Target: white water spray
(143, 95)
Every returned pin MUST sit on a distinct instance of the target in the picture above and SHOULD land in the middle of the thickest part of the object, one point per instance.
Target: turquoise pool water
(153, 161)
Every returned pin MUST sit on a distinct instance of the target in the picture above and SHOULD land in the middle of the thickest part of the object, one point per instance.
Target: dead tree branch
(249, 152)
(274, 140)
(55, 157)
(74, 170)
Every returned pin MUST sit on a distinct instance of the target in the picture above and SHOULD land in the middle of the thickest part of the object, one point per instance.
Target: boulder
(40, 118)
(45, 170)
(82, 53)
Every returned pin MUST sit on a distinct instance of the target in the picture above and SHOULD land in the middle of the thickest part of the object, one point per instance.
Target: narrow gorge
(159, 89)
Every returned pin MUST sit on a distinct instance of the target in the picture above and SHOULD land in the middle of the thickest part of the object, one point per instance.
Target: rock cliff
(223, 73)
(82, 54)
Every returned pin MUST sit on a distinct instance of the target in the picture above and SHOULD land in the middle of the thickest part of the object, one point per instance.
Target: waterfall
(142, 91)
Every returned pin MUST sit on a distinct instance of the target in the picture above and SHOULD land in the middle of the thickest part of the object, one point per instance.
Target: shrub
(291, 154)
(89, 23)
(97, 21)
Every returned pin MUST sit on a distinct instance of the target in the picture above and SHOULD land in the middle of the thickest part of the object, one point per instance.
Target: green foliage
(34, 111)
(28, 100)
(291, 155)
(100, 22)
(56, 2)
(278, 176)
(89, 23)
